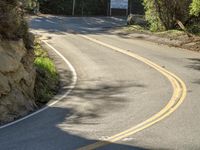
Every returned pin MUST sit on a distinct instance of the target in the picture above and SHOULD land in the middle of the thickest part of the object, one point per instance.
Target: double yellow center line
(179, 94)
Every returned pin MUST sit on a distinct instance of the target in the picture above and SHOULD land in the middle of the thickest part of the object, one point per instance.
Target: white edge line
(71, 87)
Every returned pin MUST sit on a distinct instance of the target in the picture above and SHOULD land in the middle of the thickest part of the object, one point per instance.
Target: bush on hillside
(163, 14)
(195, 8)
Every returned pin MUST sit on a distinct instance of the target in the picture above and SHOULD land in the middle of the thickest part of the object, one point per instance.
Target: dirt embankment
(172, 37)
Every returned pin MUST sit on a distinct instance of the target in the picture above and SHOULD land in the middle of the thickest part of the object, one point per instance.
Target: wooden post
(183, 28)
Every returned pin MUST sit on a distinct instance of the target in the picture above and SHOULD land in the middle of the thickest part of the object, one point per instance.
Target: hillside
(17, 74)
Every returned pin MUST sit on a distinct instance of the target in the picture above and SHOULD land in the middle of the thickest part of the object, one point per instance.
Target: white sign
(119, 4)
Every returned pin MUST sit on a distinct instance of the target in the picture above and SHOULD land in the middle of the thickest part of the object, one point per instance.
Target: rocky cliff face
(17, 79)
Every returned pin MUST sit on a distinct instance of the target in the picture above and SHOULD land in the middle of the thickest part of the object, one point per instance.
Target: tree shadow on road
(65, 125)
(96, 101)
(81, 25)
(69, 124)
(49, 132)
(195, 64)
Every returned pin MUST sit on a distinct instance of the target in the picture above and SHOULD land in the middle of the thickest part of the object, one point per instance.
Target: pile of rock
(17, 79)
(136, 20)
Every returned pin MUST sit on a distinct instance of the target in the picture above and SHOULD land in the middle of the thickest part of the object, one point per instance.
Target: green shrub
(46, 64)
(195, 29)
(152, 16)
(195, 8)
(163, 14)
(30, 5)
(47, 78)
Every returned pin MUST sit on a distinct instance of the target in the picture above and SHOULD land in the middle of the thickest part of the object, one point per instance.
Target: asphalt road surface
(116, 90)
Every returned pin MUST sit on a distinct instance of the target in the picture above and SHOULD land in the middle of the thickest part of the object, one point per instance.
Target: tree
(136, 7)
(32, 6)
(152, 16)
(195, 8)
(163, 14)
(83, 7)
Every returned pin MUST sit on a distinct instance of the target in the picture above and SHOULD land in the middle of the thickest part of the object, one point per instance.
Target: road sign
(119, 4)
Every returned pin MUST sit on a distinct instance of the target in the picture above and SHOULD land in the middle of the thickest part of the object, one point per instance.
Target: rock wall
(17, 79)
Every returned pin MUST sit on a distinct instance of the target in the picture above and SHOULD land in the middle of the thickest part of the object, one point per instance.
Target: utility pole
(73, 9)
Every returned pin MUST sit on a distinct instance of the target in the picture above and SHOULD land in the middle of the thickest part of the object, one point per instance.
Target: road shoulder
(67, 79)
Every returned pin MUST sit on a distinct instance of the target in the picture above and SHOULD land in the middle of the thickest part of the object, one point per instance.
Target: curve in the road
(70, 88)
(179, 94)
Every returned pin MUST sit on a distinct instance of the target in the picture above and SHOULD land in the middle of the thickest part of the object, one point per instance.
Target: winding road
(128, 94)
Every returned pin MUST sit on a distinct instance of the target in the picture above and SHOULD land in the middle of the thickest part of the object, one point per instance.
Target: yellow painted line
(179, 94)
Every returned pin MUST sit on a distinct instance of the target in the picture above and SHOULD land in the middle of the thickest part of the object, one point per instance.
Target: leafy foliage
(152, 16)
(47, 80)
(195, 8)
(31, 6)
(163, 14)
(136, 7)
(82, 7)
